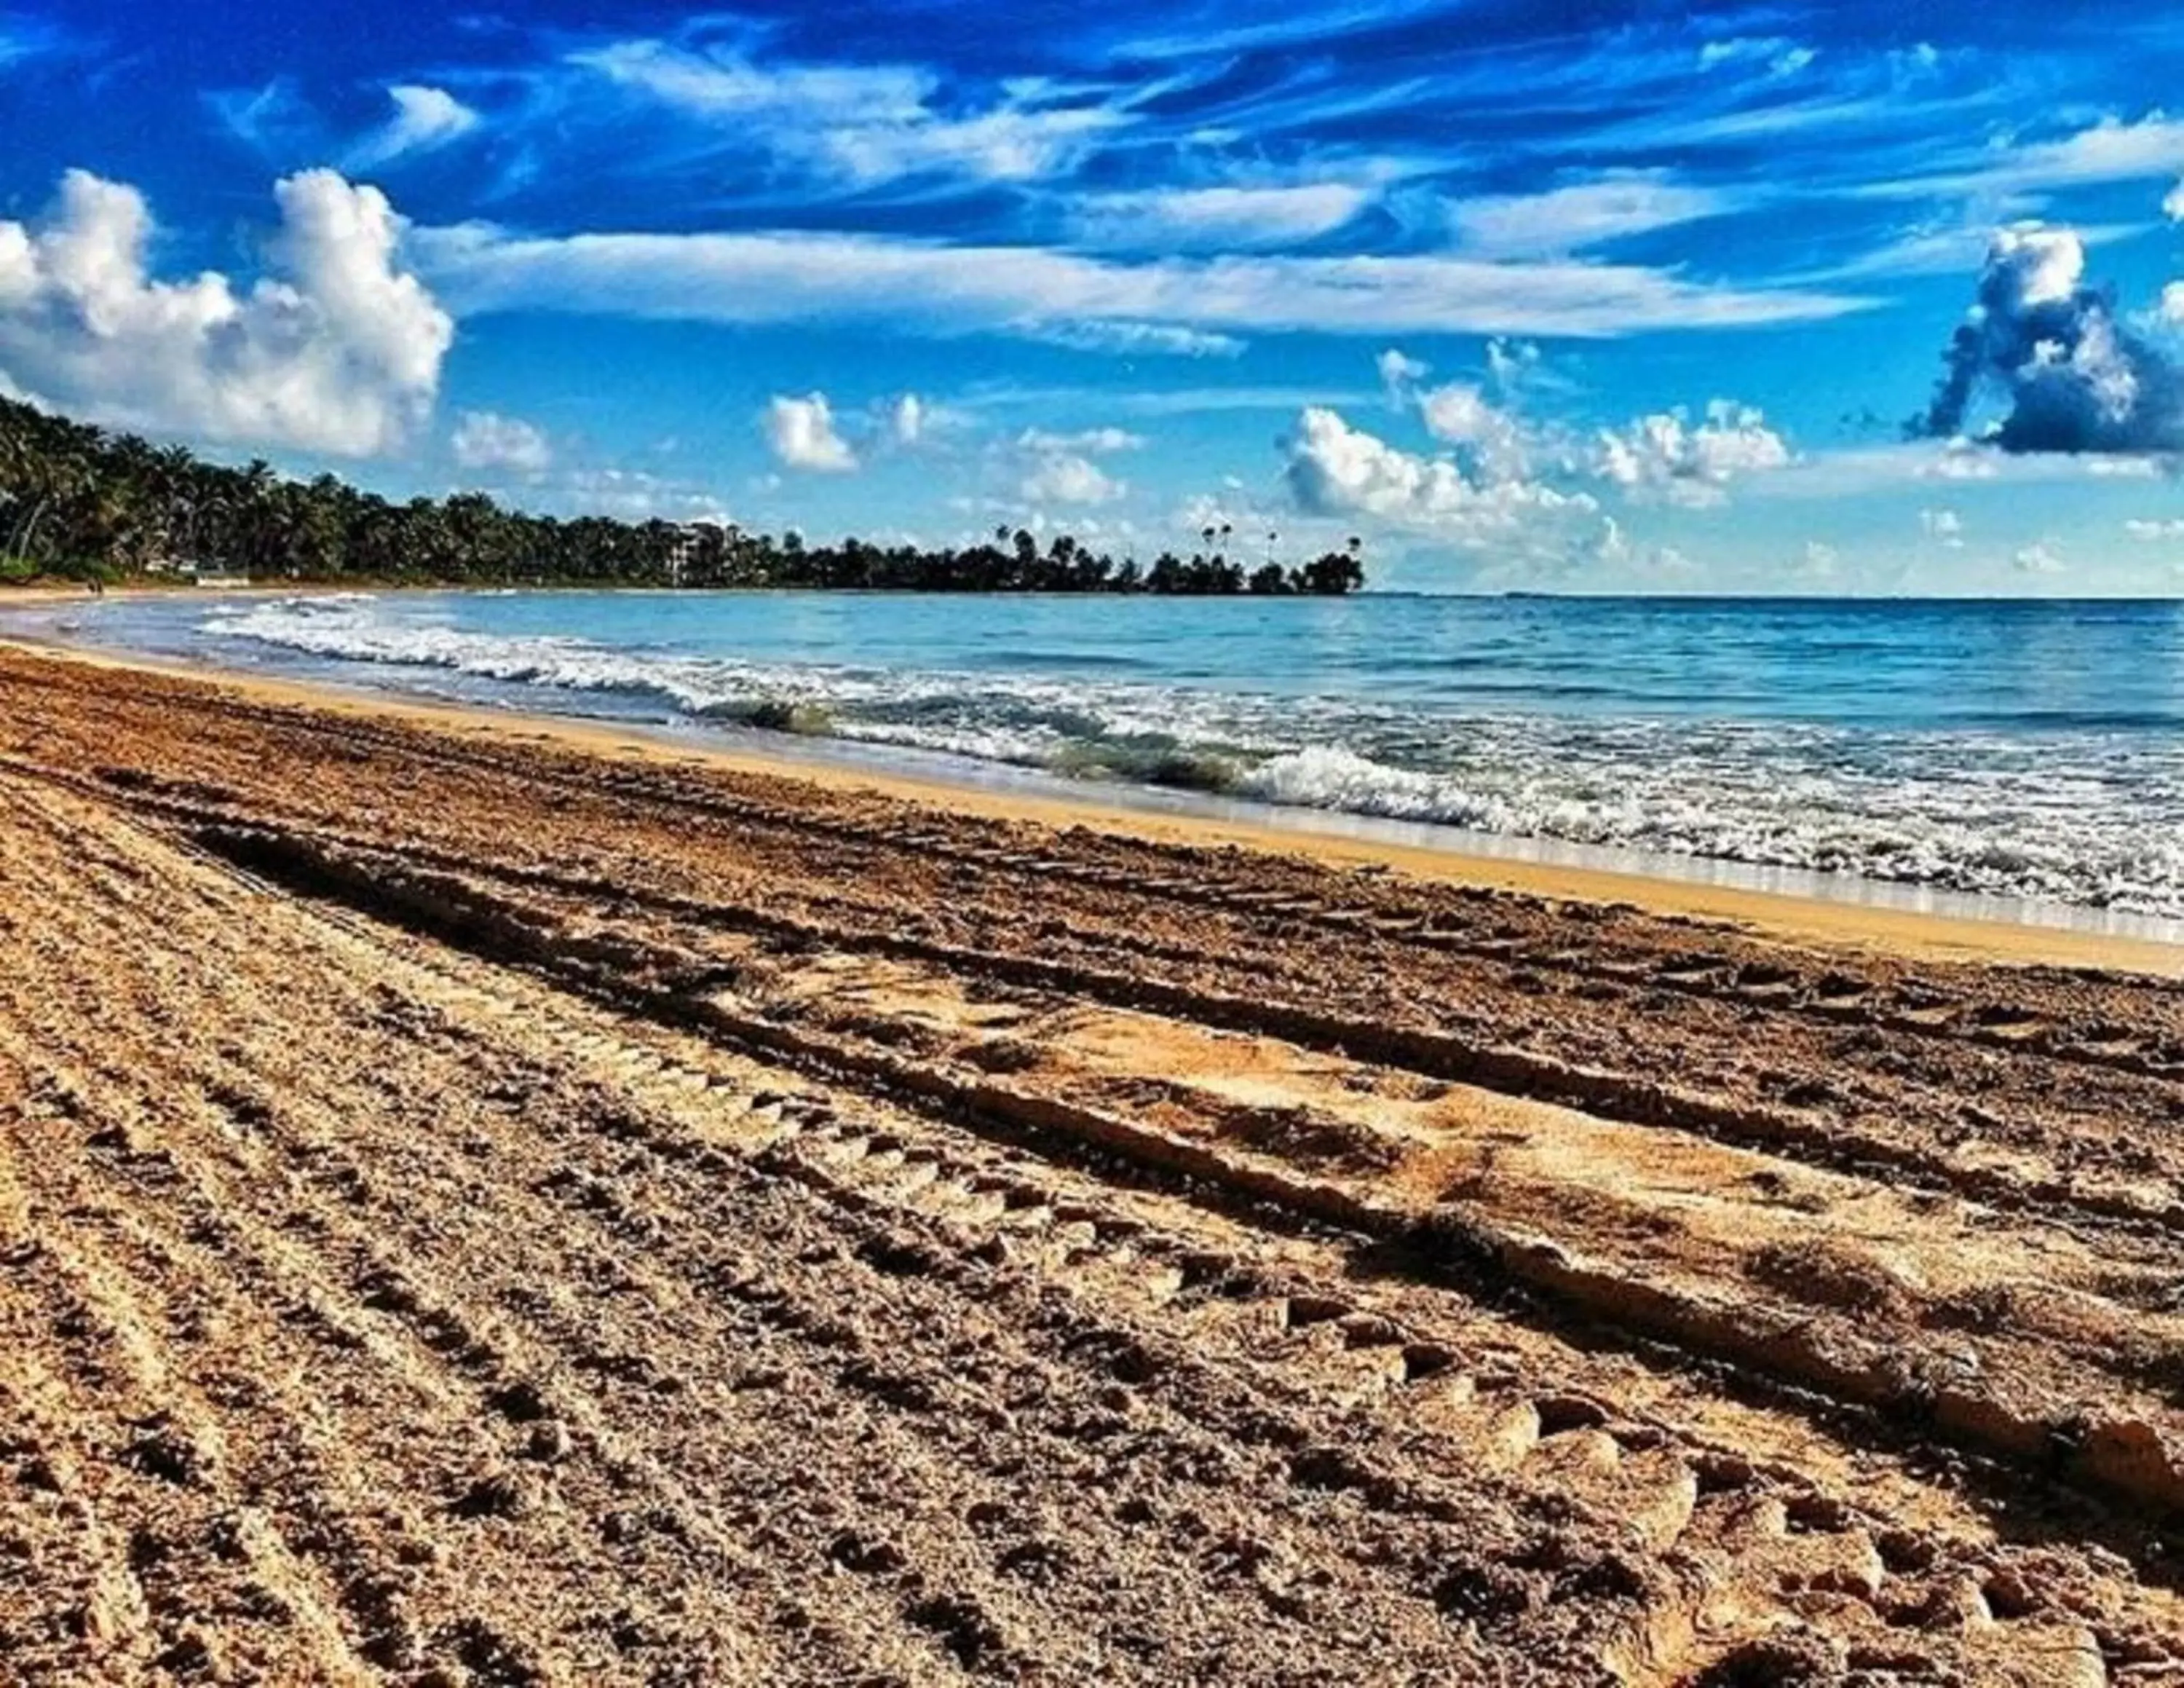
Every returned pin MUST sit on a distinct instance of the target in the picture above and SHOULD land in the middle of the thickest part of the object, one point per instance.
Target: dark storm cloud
(2068, 372)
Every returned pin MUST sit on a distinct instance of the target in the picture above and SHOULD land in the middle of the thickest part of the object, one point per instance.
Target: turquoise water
(2004, 749)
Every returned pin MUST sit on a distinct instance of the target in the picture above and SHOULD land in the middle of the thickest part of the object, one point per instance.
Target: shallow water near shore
(2018, 759)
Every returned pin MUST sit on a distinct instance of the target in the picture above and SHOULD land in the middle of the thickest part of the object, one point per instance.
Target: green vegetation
(80, 503)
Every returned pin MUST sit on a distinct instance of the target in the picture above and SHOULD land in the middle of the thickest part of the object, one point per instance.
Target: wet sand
(492, 1201)
(1876, 927)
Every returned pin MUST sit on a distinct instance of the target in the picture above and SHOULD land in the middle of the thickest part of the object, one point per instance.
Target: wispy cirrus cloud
(1216, 219)
(2112, 149)
(859, 124)
(940, 289)
(273, 119)
(1135, 339)
(425, 120)
(1580, 215)
(23, 37)
(1780, 55)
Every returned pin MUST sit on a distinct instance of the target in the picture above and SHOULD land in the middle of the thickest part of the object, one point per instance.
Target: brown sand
(485, 1204)
(1862, 926)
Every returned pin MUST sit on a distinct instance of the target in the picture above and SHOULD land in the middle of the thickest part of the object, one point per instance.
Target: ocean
(2025, 758)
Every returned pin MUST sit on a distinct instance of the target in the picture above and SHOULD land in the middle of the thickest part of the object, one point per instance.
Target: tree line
(78, 501)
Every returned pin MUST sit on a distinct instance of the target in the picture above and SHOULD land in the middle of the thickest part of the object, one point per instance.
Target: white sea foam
(2087, 817)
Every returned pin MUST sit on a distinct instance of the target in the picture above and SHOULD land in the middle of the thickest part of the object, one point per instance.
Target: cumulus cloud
(1492, 441)
(1058, 468)
(1333, 469)
(1399, 373)
(802, 435)
(485, 439)
(1461, 414)
(1944, 527)
(906, 422)
(2172, 528)
(1065, 478)
(2037, 558)
(1669, 455)
(424, 120)
(2070, 376)
(337, 348)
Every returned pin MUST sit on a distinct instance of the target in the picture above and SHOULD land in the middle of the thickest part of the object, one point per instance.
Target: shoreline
(1862, 926)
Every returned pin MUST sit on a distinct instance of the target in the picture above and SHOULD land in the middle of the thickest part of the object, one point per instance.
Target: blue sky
(1581, 297)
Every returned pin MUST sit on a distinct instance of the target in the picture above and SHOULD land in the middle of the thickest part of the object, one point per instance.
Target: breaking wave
(2082, 816)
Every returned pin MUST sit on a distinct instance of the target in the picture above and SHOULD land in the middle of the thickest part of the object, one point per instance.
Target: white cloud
(338, 349)
(2172, 528)
(1666, 454)
(1461, 414)
(1336, 470)
(2110, 150)
(2172, 203)
(1510, 361)
(907, 420)
(1938, 466)
(1133, 339)
(1058, 468)
(424, 120)
(24, 37)
(1065, 478)
(1781, 56)
(2075, 377)
(1400, 373)
(1201, 511)
(860, 124)
(1494, 441)
(1944, 527)
(1217, 218)
(796, 277)
(634, 496)
(484, 439)
(1569, 219)
(2037, 558)
(801, 434)
(1096, 441)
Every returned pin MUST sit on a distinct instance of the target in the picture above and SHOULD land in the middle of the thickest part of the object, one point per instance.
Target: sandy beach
(497, 1201)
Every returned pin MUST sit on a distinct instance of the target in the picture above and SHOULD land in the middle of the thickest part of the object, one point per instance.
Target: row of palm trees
(77, 500)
